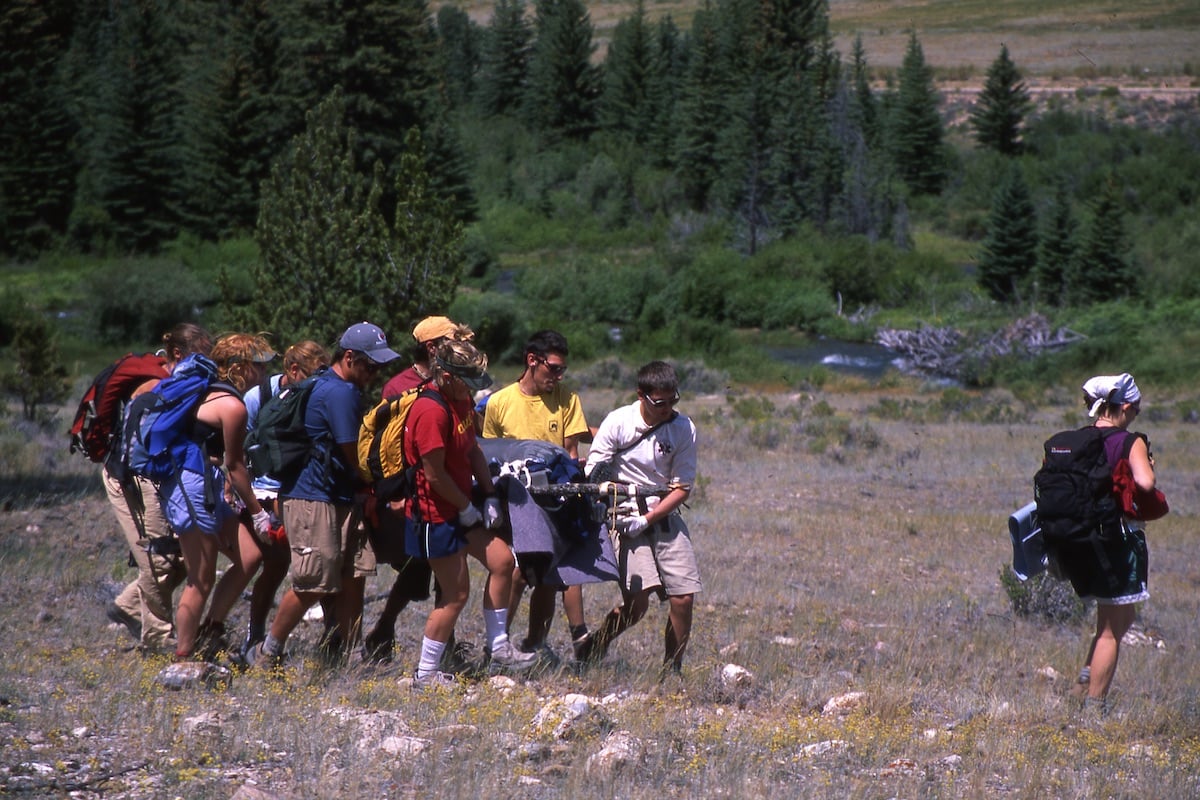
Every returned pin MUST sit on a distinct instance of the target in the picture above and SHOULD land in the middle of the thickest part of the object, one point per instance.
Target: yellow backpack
(381, 445)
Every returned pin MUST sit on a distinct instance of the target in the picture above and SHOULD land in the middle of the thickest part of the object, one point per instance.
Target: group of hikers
(321, 524)
(326, 524)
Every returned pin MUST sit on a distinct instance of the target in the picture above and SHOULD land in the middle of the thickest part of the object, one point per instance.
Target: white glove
(262, 522)
(469, 517)
(493, 514)
(632, 526)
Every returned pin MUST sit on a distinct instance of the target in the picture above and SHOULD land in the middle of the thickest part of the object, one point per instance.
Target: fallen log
(944, 351)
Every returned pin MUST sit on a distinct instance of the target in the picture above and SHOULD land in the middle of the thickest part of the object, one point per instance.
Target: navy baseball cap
(369, 340)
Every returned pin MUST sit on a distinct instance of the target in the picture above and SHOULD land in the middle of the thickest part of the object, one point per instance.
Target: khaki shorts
(329, 544)
(661, 560)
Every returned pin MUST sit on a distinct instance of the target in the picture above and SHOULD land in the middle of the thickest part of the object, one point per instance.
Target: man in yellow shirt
(537, 406)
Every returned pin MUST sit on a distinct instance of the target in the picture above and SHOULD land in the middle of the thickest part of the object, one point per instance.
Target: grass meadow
(851, 542)
(1064, 38)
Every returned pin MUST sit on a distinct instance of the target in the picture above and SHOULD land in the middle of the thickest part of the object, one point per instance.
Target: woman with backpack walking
(269, 551)
(194, 503)
(443, 522)
(1112, 571)
(144, 606)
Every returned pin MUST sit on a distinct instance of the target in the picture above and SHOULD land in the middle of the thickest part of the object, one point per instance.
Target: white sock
(495, 621)
(431, 656)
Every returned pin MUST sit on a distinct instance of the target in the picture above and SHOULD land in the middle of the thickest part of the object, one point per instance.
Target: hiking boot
(506, 657)
(377, 648)
(118, 615)
(589, 649)
(435, 680)
(252, 641)
(458, 657)
(257, 659)
(580, 646)
(210, 641)
(544, 653)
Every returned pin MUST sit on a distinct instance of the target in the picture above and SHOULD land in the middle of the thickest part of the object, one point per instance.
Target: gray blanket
(548, 556)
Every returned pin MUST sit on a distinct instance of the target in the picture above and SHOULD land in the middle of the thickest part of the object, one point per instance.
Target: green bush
(501, 323)
(12, 308)
(1042, 597)
(137, 301)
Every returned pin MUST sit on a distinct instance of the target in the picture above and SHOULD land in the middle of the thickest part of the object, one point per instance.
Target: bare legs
(1112, 622)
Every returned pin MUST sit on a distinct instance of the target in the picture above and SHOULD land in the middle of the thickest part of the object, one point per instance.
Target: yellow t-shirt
(552, 418)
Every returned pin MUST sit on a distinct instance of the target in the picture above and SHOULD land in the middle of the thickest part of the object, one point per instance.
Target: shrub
(1042, 597)
(501, 323)
(138, 301)
(39, 377)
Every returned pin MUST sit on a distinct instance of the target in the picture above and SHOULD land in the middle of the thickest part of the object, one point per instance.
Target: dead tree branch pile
(945, 352)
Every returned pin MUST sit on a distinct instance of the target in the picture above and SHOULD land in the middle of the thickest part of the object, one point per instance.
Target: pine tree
(666, 86)
(383, 56)
(208, 194)
(625, 106)
(258, 119)
(915, 130)
(129, 100)
(700, 109)
(1058, 250)
(504, 72)
(1103, 270)
(1010, 248)
(460, 41)
(1001, 107)
(865, 108)
(328, 255)
(424, 255)
(560, 101)
(37, 166)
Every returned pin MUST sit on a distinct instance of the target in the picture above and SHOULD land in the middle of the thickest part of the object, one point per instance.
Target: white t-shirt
(664, 457)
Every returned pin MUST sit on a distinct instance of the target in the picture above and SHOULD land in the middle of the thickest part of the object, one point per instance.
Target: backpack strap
(641, 438)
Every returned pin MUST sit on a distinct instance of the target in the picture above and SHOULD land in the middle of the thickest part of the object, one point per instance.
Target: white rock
(621, 750)
(843, 703)
(210, 723)
(821, 748)
(404, 746)
(573, 715)
(82, 732)
(1049, 673)
(787, 641)
(733, 675)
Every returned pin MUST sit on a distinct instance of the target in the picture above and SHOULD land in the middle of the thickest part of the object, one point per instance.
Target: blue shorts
(191, 501)
(434, 539)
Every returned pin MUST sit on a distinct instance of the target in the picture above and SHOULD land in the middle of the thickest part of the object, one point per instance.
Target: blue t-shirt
(333, 417)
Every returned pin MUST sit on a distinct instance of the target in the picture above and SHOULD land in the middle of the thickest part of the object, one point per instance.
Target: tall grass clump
(1042, 597)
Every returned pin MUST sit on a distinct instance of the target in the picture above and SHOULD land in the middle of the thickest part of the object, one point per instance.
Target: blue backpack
(159, 440)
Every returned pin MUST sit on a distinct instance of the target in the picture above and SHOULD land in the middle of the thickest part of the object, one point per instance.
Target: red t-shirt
(401, 382)
(429, 428)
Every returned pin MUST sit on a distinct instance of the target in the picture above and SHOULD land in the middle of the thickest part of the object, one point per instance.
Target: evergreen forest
(691, 192)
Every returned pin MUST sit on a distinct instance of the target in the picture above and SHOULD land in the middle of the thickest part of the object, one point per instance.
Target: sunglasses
(659, 403)
(557, 370)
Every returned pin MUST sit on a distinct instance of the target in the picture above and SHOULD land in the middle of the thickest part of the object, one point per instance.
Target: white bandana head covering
(1113, 389)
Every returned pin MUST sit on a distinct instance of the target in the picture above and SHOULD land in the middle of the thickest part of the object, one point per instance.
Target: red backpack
(99, 414)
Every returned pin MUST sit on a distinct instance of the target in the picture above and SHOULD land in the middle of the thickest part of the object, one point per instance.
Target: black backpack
(279, 444)
(1074, 489)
